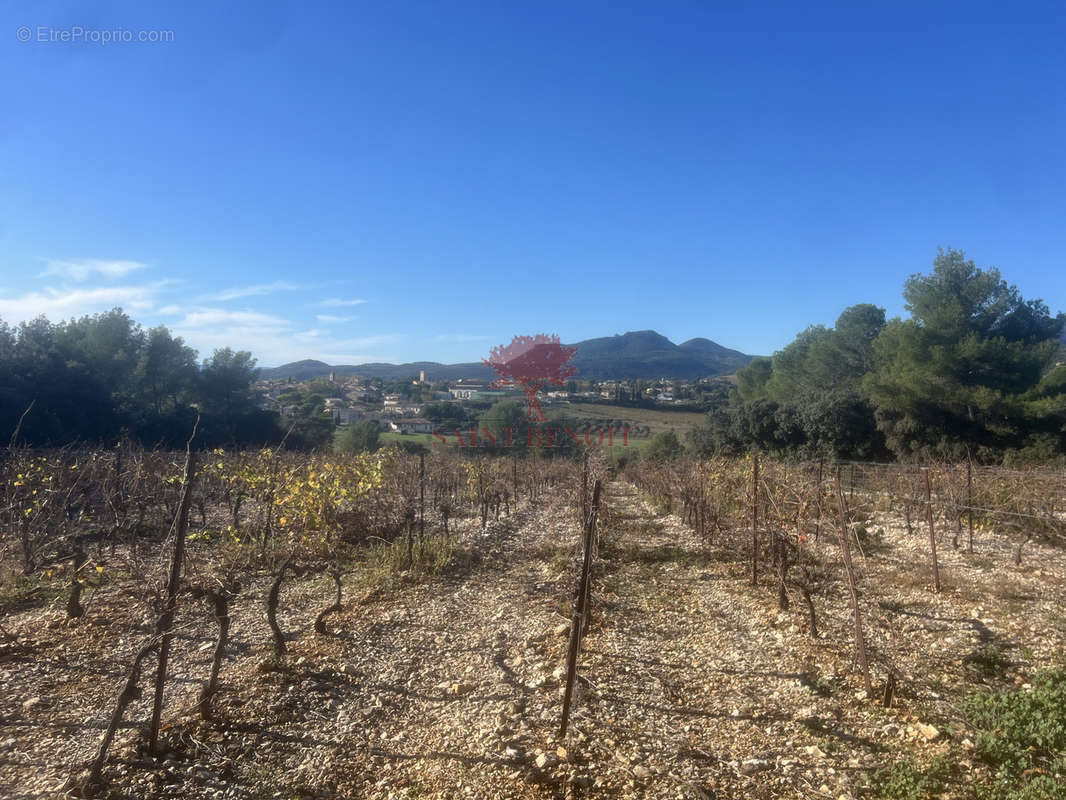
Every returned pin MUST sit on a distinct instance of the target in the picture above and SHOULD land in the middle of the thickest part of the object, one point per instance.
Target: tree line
(100, 378)
(975, 371)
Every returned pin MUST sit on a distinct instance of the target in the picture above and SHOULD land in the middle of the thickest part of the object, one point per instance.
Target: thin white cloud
(81, 269)
(217, 317)
(255, 290)
(335, 302)
(333, 318)
(170, 310)
(274, 340)
(60, 304)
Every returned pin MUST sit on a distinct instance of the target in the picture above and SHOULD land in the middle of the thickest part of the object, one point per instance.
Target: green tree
(839, 359)
(230, 413)
(504, 415)
(362, 436)
(790, 373)
(98, 377)
(72, 399)
(664, 446)
(166, 369)
(107, 345)
(959, 374)
(447, 416)
(807, 400)
(226, 381)
(752, 379)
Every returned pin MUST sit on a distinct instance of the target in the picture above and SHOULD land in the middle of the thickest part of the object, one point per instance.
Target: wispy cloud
(81, 269)
(335, 302)
(275, 340)
(214, 317)
(60, 304)
(255, 290)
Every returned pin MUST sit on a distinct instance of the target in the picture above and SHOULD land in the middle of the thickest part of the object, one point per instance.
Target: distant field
(657, 419)
(681, 422)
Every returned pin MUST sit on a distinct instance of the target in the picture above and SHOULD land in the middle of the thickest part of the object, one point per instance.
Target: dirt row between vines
(693, 684)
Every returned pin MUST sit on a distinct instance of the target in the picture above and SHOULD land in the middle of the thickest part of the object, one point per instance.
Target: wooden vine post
(579, 619)
(818, 501)
(166, 620)
(421, 499)
(969, 503)
(585, 488)
(845, 549)
(755, 520)
(932, 533)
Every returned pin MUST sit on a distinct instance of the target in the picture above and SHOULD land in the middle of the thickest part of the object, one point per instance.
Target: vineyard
(273, 624)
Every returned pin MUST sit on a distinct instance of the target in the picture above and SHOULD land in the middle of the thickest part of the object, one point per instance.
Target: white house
(411, 425)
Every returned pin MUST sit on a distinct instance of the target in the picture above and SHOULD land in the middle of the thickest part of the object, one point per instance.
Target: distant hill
(637, 354)
(647, 354)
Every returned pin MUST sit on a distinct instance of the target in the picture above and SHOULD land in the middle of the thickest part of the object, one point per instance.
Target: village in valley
(407, 406)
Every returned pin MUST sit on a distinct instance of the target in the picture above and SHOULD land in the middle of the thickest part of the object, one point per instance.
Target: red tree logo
(532, 362)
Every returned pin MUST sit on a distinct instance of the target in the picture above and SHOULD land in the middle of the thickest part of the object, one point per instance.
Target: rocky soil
(693, 683)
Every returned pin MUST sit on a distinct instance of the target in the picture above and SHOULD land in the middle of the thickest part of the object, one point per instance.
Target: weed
(905, 780)
(556, 554)
(826, 685)
(1021, 735)
(990, 661)
(983, 563)
(387, 564)
(872, 540)
(19, 591)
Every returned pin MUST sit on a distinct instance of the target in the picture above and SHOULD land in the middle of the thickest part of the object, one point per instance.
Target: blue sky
(407, 180)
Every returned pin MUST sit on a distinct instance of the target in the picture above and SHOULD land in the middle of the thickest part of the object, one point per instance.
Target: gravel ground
(693, 683)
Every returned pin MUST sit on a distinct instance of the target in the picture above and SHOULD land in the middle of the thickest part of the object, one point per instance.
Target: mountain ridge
(631, 355)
